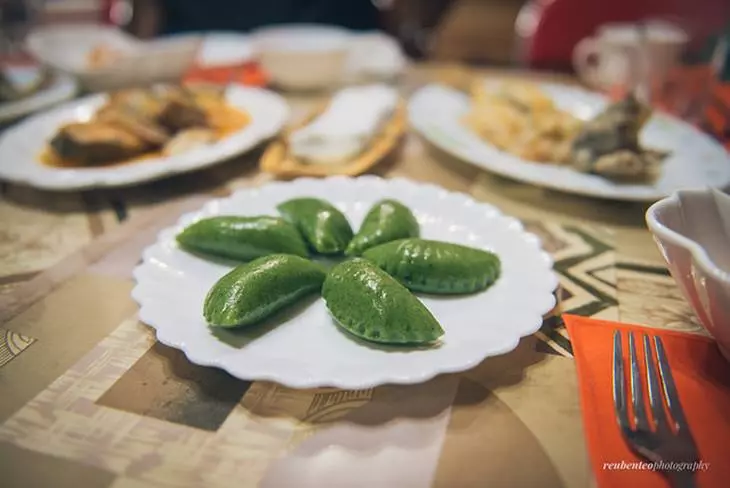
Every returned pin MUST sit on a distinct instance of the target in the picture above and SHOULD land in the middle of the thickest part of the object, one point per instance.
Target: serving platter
(22, 145)
(303, 348)
(696, 160)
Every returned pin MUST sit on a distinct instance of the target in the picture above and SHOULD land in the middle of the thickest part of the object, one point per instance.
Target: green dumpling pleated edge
(323, 226)
(386, 221)
(242, 238)
(368, 303)
(254, 291)
(437, 267)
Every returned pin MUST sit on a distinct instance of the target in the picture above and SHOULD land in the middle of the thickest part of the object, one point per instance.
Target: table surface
(90, 399)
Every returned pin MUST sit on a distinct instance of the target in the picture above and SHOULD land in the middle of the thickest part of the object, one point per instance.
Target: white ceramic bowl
(303, 57)
(67, 48)
(692, 230)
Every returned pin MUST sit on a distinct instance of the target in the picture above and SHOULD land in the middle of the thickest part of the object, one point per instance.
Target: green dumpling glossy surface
(254, 291)
(324, 227)
(436, 267)
(386, 221)
(242, 238)
(368, 303)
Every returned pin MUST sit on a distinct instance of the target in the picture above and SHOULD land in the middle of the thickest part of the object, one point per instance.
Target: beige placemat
(94, 394)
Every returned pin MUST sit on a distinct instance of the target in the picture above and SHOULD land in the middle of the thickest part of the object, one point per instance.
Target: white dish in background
(306, 349)
(67, 48)
(696, 161)
(374, 56)
(692, 230)
(302, 57)
(224, 49)
(311, 57)
(21, 145)
(60, 88)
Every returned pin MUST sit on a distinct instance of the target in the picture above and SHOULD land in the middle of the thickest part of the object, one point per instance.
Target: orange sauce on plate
(223, 120)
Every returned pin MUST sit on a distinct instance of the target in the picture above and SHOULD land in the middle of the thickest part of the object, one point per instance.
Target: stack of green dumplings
(369, 293)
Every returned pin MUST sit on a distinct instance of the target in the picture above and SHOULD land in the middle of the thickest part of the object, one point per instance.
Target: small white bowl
(692, 230)
(303, 56)
(67, 48)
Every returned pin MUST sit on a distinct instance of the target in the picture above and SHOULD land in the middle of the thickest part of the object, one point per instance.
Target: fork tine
(670, 389)
(637, 390)
(655, 392)
(619, 382)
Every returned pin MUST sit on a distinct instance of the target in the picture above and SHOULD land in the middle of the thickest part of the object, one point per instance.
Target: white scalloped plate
(21, 145)
(696, 161)
(305, 349)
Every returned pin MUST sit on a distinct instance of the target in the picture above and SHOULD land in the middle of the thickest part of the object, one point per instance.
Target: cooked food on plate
(369, 297)
(325, 228)
(436, 267)
(252, 292)
(609, 143)
(370, 304)
(522, 120)
(351, 120)
(355, 130)
(386, 221)
(138, 123)
(103, 55)
(242, 238)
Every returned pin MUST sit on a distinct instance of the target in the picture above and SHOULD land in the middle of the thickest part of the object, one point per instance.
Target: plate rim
(61, 89)
(535, 317)
(423, 129)
(154, 172)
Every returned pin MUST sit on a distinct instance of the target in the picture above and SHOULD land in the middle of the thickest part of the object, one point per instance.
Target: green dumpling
(256, 290)
(242, 238)
(324, 227)
(387, 221)
(368, 303)
(436, 267)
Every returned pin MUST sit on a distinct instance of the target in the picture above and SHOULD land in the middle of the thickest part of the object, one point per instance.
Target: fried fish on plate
(608, 145)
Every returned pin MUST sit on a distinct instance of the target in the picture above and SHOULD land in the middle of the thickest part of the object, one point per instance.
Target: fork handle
(681, 479)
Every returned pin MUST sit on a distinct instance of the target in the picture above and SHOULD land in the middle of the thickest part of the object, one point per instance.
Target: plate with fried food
(569, 139)
(350, 134)
(140, 134)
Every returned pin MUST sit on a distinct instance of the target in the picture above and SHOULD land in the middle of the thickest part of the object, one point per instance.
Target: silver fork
(665, 440)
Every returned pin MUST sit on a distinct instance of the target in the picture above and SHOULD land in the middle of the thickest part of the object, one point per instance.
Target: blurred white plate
(306, 349)
(59, 89)
(21, 145)
(696, 160)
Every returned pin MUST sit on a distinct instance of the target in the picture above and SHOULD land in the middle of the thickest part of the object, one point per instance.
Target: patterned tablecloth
(90, 399)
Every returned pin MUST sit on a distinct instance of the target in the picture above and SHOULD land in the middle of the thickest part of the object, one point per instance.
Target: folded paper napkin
(702, 376)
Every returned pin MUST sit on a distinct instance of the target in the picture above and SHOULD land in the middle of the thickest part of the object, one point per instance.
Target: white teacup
(614, 56)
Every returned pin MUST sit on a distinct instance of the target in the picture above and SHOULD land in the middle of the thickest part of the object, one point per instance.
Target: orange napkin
(246, 74)
(702, 376)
